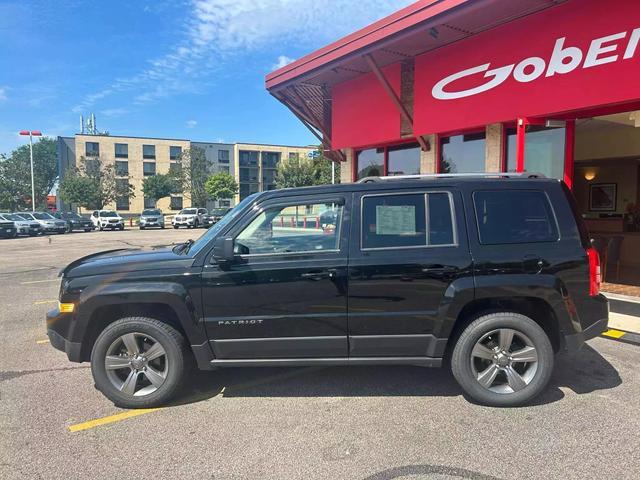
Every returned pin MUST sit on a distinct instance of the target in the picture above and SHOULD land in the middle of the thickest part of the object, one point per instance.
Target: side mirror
(223, 249)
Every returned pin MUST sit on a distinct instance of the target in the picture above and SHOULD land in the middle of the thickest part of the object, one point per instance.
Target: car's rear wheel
(503, 359)
(139, 362)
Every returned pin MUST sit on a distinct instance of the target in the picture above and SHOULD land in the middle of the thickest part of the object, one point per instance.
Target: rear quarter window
(514, 216)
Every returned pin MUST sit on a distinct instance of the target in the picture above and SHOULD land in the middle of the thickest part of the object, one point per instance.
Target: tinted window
(291, 229)
(393, 221)
(440, 219)
(511, 216)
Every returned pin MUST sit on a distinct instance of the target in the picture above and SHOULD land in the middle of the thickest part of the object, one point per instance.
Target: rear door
(408, 255)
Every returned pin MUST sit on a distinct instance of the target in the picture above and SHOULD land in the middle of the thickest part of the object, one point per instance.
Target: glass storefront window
(404, 160)
(544, 150)
(463, 153)
(370, 163)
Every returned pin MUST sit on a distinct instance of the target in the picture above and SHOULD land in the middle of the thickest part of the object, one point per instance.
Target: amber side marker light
(66, 307)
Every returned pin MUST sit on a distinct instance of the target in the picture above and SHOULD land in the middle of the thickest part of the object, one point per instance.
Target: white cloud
(113, 112)
(218, 31)
(3, 94)
(192, 123)
(283, 61)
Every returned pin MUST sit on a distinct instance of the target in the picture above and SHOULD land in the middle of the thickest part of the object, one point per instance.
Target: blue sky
(178, 68)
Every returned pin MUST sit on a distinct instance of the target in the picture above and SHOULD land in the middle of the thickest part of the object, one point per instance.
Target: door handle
(439, 269)
(319, 275)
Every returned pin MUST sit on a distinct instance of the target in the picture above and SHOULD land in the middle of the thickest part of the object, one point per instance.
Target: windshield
(12, 216)
(151, 212)
(23, 216)
(108, 214)
(219, 211)
(228, 218)
(42, 216)
(70, 215)
(188, 211)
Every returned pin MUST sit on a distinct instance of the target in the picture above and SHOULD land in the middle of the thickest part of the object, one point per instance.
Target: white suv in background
(107, 219)
(190, 218)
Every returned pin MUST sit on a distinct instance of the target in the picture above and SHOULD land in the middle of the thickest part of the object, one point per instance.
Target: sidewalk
(628, 323)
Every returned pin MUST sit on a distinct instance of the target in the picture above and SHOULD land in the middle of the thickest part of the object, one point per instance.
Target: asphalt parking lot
(306, 423)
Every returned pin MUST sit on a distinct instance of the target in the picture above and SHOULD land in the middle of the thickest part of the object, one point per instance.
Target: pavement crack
(10, 375)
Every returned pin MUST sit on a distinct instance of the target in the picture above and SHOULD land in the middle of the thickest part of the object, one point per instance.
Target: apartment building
(252, 165)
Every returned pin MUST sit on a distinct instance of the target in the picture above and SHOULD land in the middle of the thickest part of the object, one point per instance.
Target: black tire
(169, 338)
(196, 224)
(176, 227)
(162, 226)
(87, 230)
(101, 229)
(141, 228)
(121, 228)
(69, 228)
(463, 368)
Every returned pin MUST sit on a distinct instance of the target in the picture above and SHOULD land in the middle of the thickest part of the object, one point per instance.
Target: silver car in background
(48, 222)
(23, 227)
(151, 218)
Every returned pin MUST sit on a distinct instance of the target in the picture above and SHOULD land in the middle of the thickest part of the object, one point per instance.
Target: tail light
(595, 273)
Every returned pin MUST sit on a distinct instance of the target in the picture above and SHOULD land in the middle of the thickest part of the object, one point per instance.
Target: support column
(428, 160)
(346, 167)
(494, 149)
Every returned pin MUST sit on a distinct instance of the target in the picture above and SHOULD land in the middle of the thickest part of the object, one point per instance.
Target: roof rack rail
(434, 176)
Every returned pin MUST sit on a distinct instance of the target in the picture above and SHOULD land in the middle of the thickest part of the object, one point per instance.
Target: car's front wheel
(503, 359)
(139, 362)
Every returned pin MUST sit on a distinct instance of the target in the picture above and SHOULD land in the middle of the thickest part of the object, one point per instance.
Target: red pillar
(521, 130)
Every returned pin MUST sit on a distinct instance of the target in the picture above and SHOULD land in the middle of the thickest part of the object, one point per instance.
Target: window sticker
(395, 220)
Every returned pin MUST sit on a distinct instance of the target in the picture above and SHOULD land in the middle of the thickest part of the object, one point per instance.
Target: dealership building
(469, 86)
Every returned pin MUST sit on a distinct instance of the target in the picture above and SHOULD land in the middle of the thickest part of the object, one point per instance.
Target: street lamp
(32, 133)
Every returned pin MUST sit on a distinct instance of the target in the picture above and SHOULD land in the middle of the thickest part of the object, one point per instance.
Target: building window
(223, 169)
(543, 150)
(270, 159)
(122, 203)
(248, 158)
(149, 152)
(294, 156)
(224, 203)
(176, 203)
(121, 150)
(149, 202)
(403, 159)
(122, 168)
(463, 153)
(149, 169)
(92, 166)
(174, 153)
(92, 149)
(174, 168)
(370, 163)
(247, 189)
(223, 156)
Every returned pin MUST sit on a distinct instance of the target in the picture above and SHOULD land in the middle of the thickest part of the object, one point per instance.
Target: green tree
(160, 186)
(304, 172)
(93, 185)
(15, 175)
(221, 186)
(192, 170)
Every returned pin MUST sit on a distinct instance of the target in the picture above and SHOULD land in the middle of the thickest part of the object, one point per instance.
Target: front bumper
(55, 320)
(55, 228)
(112, 225)
(8, 232)
(151, 223)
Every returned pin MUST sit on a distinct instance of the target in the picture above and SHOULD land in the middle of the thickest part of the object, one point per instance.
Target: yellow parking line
(40, 281)
(611, 333)
(110, 419)
(42, 302)
(40, 342)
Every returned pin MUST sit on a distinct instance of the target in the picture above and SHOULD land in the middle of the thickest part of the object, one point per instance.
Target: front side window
(407, 221)
(290, 229)
(149, 152)
(463, 153)
(514, 216)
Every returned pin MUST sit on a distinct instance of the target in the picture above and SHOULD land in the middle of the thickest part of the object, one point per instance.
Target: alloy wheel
(504, 361)
(136, 364)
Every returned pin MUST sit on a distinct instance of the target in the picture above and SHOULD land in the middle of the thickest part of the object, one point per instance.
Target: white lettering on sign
(563, 60)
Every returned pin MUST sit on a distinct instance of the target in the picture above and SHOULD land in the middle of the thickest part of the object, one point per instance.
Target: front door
(408, 258)
(285, 294)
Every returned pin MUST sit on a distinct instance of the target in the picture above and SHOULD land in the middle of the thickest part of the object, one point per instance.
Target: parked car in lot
(215, 215)
(190, 218)
(495, 274)
(7, 228)
(75, 221)
(48, 223)
(151, 218)
(103, 219)
(23, 227)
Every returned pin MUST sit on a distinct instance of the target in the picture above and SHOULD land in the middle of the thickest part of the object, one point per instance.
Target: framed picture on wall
(602, 197)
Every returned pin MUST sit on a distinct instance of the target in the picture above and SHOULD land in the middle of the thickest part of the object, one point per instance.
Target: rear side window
(407, 221)
(514, 216)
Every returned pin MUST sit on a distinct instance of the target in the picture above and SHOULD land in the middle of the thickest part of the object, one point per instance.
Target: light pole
(32, 133)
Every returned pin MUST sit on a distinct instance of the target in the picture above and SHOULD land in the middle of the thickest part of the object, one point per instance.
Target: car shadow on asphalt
(584, 372)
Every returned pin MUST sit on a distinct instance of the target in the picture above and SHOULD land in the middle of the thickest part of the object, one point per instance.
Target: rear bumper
(57, 340)
(575, 341)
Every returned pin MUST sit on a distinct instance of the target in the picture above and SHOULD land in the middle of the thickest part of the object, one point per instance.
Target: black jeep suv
(494, 273)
